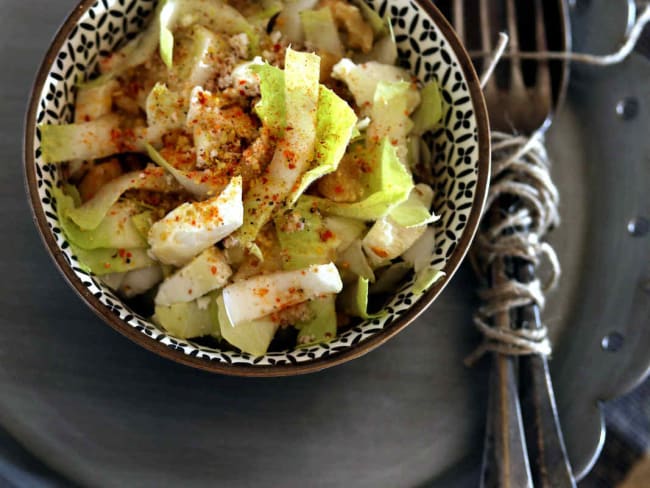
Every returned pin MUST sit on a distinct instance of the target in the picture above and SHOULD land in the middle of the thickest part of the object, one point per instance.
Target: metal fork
(523, 444)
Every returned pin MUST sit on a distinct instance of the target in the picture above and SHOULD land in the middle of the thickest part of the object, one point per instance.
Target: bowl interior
(427, 47)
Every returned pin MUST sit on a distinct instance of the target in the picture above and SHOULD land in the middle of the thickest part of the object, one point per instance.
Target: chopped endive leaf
(217, 16)
(426, 278)
(354, 300)
(345, 230)
(389, 185)
(73, 192)
(192, 227)
(420, 253)
(386, 240)
(143, 222)
(353, 263)
(362, 79)
(271, 108)
(322, 327)
(206, 272)
(93, 102)
(269, 9)
(289, 22)
(140, 280)
(104, 261)
(262, 295)
(391, 236)
(89, 215)
(88, 140)
(321, 31)
(390, 278)
(415, 210)
(166, 110)
(294, 151)
(250, 336)
(378, 25)
(335, 122)
(429, 113)
(213, 310)
(166, 36)
(113, 280)
(201, 184)
(196, 64)
(116, 230)
(137, 51)
(186, 320)
(384, 50)
(304, 239)
(393, 102)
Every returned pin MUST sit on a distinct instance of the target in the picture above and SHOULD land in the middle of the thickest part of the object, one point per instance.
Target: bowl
(427, 46)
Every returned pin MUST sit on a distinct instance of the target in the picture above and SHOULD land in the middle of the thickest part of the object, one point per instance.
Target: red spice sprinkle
(107, 265)
(379, 252)
(326, 235)
(189, 292)
(242, 93)
(394, 142)
(338, 189)
(242, 82)
(292, 166)
(122, 253)
(116, 135)
(213, 270)
(262, 292)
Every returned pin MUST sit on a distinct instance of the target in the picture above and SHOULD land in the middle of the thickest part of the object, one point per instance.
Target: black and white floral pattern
(422, 48)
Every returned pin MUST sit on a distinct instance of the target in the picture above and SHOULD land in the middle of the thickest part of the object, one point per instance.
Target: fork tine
(458, 15)
(486, 40)
(516, 77)
(543, 69)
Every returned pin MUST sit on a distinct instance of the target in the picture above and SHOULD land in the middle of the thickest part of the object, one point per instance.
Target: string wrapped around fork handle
(522, 209)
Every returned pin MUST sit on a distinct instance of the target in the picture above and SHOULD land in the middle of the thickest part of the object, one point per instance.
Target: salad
(246, 169)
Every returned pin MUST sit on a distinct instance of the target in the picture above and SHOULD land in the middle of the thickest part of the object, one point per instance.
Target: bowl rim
(245, 370)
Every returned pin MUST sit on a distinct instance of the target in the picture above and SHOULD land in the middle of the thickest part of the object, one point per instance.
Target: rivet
(628, 108)
(638, 227)
(612, 342)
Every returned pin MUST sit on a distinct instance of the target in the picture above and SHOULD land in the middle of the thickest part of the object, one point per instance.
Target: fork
(523, 442)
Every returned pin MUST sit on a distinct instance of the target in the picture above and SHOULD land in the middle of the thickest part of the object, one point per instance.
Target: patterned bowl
(427, 46)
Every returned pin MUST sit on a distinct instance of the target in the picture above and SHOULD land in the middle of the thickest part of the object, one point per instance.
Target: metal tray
(102, 411)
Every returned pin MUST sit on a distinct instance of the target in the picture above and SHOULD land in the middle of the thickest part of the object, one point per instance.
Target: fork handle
(546, 450)
(547, 453)
(505, 458)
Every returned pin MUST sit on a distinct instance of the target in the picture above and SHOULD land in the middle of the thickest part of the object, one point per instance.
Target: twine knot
(521, 171)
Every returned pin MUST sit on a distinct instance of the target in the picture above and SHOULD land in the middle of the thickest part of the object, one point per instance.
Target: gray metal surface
(103, 411)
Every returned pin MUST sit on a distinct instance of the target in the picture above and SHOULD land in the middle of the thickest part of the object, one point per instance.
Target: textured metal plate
(102, 411)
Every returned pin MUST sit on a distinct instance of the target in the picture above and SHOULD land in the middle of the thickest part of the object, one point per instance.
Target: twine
(630, 42)
(521, 171)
